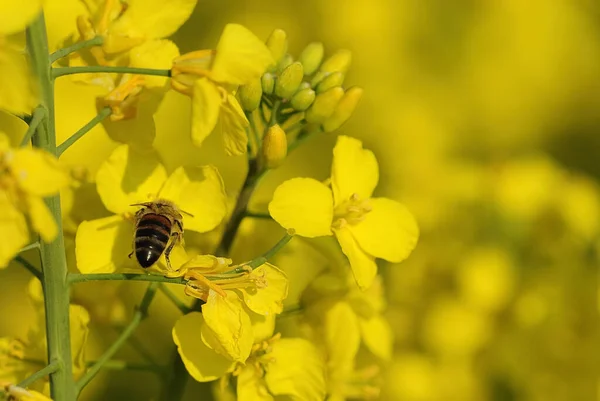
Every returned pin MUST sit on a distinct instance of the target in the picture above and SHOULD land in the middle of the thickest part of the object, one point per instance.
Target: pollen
(351, 211)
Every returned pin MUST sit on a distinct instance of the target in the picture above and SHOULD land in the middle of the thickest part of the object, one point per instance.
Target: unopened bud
(318, 78)
(303, 99)
(277, 43)
(331, 81)
(268, 83)
(311, 57)
(285, 61)
(339, 61)
(344, 109)
(250, 95)
(304, 85)
(288, 82)
(274, 147)
(324, 105)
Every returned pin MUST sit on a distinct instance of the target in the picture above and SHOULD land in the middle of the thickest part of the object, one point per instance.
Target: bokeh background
(485, 118)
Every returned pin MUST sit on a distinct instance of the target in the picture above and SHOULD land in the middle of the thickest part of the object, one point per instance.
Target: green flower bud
(303, 99)
(274, 149)
(344, 109)
(319, 76)
(277, 44)
(331, 81)
(250, 95)
(304, 85)
(324, 105)
(311, 57)
(285, 62)
(339, 61)
(268, 83)
(288, 82)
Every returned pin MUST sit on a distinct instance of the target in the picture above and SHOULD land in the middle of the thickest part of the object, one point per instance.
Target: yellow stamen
(352, 211)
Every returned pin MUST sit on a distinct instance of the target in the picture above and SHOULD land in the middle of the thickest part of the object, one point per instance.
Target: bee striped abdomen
(151, 238)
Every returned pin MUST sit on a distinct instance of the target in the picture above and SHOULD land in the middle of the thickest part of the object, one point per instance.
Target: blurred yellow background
(485, 119)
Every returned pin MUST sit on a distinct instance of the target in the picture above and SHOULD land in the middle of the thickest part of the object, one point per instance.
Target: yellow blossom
(210, 76)
(26, 176)
(365, 227)
(129, 177)
(16, 393)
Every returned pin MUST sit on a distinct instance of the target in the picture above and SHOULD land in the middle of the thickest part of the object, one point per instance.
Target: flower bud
(311, 57)
(330, 81)
(268, 83)
(339, 61)
(344, 109)
(274, 149)
(303, 99)
(285, 62)
(250, 95)
(288, 82)
(277, 44)
(304, 85)
(324, 105)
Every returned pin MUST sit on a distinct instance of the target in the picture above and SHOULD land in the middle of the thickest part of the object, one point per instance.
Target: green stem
(82, 278)
(274, 112)
(32, 269)
(174, 299)
(54, 263)
(61, 71)
(38, 116)
(97, 41)
(257, 139)
(45, 371)
(138, 316)
(34, 245)
(102, 114)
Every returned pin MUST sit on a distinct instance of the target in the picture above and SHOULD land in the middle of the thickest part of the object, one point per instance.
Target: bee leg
(175, 237)
(130, 255)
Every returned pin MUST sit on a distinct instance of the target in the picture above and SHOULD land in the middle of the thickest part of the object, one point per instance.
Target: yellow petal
(228, 329)
(15, 16)
(268, 300)
(200, 192)
(116, 236)
(152, 18)
(342, 337)
(363, 265)
(206, 105)
(13, 231)
(157, 54)
(201, 362)
(296, 369)
(13, 127)
(377, 335)
(61, 20)
(16, 92)
(38, 172)
(304, 204)
(233, 124)
(389, 231)
(129, 177)
(354, 170)
(79, 319)
(241, 56)
(41, 218)
(251, 386)
(263, 327)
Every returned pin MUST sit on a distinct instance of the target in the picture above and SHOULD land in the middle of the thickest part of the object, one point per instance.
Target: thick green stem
(45, 371)
(98, 40)
(102, 114)
(61, 71)
(138, 316)
(54, 263)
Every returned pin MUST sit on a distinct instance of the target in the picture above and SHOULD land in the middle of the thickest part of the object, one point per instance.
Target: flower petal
(263, 326)
(304, 204)
(389, 231)
(79, 319)
(240, 57)
(363, 265)
(114, 234)
(41, 218)
(296, 369)
(201, 362)
(15, 16)
(206, 105)
(228, 329)
(354, 170)
(200, 192)
(16, 91)
(129, 177)
(157, 54)
(268, 300)
(342, 336)
(13, 231)
(251, 386)
(152, 18)
(38, 172)
(233, 124)
(377, 335)
(13, 128)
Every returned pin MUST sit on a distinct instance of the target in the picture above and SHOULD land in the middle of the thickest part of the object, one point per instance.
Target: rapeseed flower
(365, 227)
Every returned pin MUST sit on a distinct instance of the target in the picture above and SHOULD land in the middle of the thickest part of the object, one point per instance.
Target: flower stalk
(62, 71)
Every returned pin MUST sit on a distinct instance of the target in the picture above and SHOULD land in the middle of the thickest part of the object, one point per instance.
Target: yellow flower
(26, 177)
(210, 77)
(232, 300)
(365, 227)
(16, 393)
(130, 177)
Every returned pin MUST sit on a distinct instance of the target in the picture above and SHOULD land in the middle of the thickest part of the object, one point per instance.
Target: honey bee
(158, 228)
